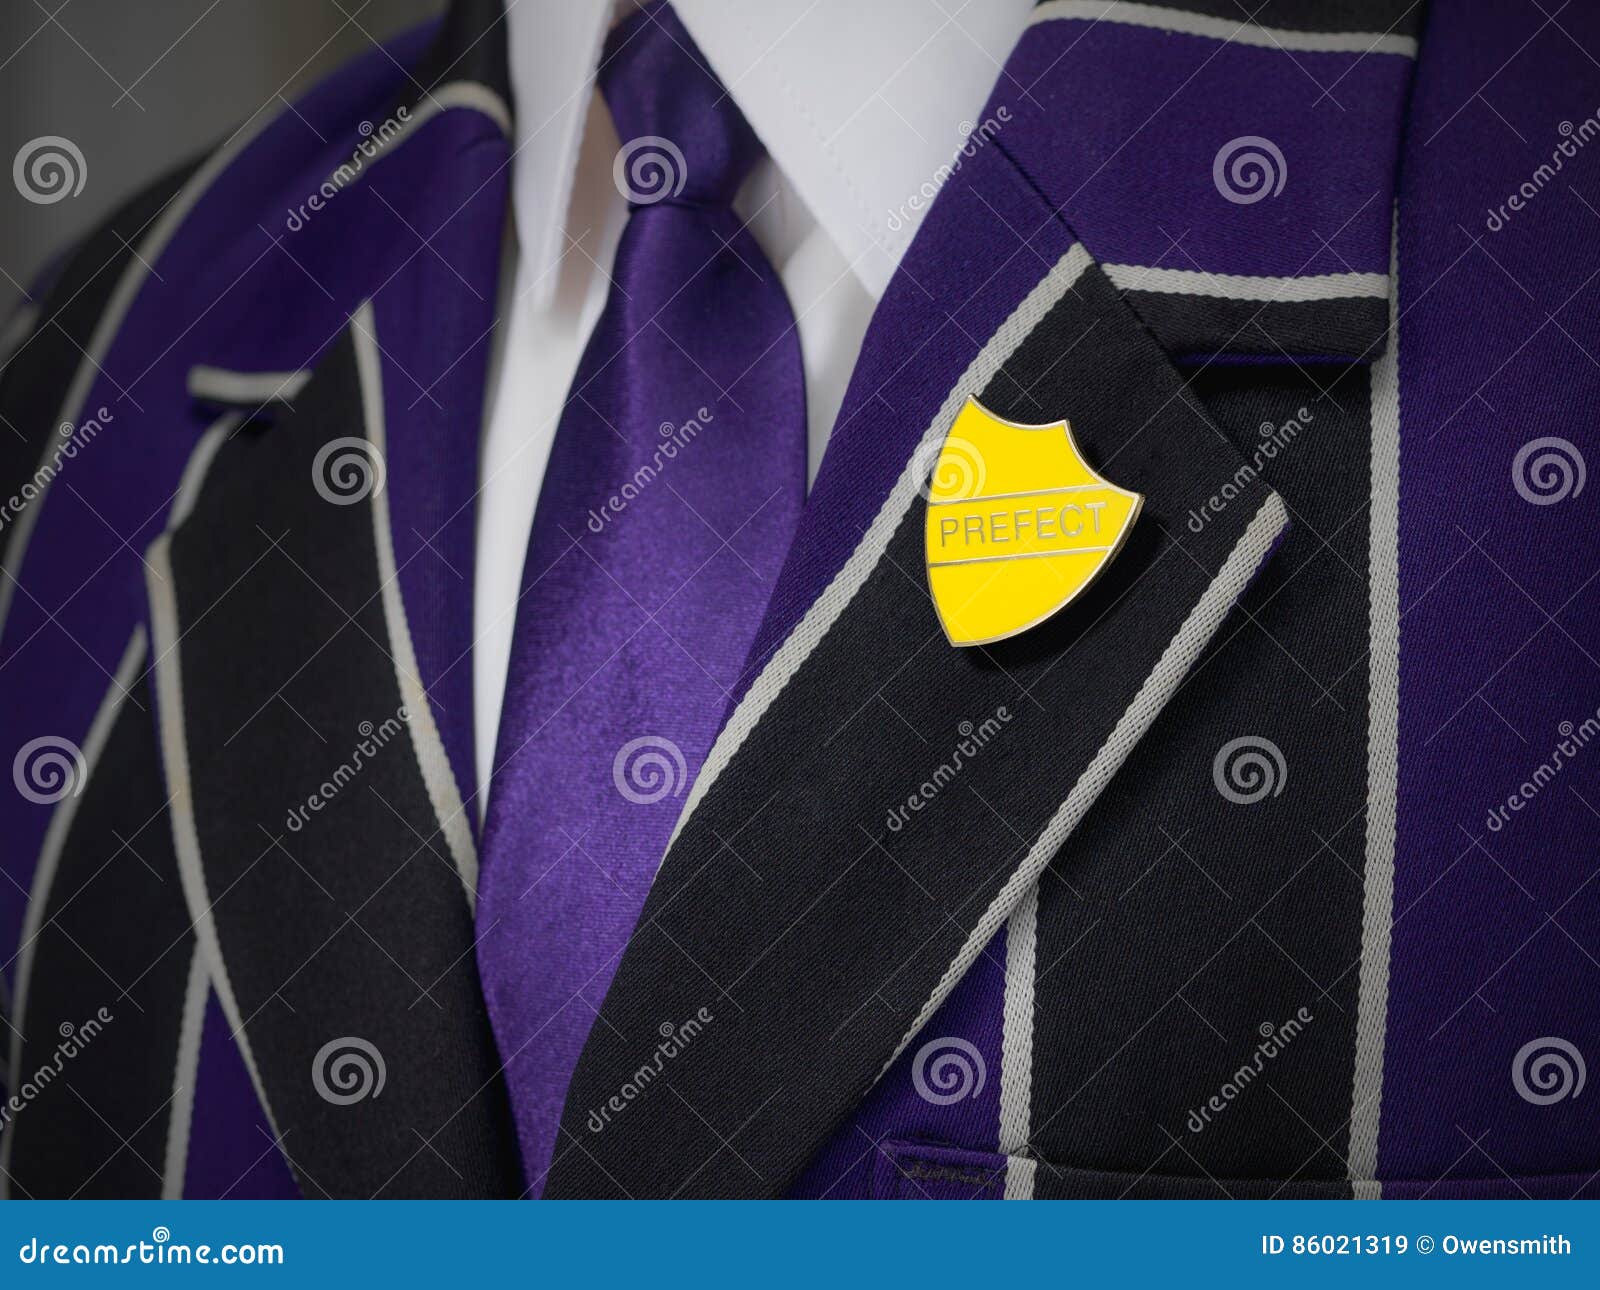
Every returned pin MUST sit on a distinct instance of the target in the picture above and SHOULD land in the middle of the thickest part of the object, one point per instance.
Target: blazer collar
(1266, 240)
(1236, 177)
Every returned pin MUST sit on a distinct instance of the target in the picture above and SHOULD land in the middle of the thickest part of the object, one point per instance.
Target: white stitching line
(438, 777)
(1383, 713)
(1016, 1042)
(1294, 289)
(1241, 32)
(185, 1073)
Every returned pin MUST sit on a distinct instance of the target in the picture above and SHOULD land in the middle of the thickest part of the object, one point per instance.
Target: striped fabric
(311, 944)
(1232, 165)
(289, 972)
(824, 738)
(1267, 870)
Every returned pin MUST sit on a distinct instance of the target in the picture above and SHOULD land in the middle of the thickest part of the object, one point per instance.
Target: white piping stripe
(1020, 1173)
(185, 1072)
(106, 331)
(1226, 29)
(1383, 761)
(180, 799)
(1170, 669)
(1016, 1043)
(1240, 286)
(218, 385)
(199, 463)
(473, 95)
(827, 607)
(437, 775)
(55, 840)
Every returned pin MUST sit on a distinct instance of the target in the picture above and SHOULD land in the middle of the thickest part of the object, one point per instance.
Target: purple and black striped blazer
(1269, 869)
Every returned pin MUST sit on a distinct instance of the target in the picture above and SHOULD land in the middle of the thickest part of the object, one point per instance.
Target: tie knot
(682, 137)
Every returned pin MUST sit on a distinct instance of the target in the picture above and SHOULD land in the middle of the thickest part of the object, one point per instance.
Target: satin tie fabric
(672, 492)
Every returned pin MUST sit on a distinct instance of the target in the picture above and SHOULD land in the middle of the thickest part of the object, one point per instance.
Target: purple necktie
(673, 489)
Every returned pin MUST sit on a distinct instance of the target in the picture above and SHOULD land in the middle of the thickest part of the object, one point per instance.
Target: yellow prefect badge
(1018, 525)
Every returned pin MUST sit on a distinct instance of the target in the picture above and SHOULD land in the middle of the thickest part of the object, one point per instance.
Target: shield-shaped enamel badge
(1018, 525)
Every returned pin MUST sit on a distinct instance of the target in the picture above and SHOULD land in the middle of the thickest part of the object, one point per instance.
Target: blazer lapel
(879, 803)
(815, 937)
(319, 761)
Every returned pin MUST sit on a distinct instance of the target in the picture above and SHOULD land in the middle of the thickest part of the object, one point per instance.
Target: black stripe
(1351, 328)
(1401, 17)
(39, 373)
(1087, 1184)
(1176, 923)
(811, 932)
(470, 46)
(353, 924)
(115, 937)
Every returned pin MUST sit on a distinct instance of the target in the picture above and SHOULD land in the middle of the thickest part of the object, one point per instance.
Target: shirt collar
(863, 128)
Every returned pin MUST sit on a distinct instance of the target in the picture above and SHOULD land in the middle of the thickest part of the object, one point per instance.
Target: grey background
(141, 85)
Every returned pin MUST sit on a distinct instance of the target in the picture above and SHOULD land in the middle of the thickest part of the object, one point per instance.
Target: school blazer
(1266, 868)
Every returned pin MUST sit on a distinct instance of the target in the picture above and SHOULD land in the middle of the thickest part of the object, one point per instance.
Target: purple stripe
(943, 1091)
(232, 1154)
(1120, 126)
(1497, 917)
(434, 319)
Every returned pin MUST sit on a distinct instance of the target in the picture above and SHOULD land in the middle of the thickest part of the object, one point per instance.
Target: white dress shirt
(859, 107)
